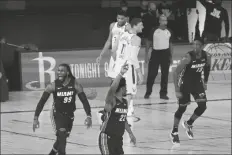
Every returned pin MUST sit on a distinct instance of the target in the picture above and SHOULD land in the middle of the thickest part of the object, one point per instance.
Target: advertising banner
(39, 69)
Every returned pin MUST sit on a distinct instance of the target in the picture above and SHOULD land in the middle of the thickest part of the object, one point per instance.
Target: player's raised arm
(48, 90)
(113, 88)
(180, 67)
(107, 43)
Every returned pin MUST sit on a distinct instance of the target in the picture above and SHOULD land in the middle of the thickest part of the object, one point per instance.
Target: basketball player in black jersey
(115, 118)
(64, 90)
(188, 80)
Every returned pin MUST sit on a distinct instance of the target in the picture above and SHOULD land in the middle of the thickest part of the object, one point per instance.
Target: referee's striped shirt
(161, 38)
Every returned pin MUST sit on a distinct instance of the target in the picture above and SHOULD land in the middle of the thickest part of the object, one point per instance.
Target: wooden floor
(151, 124)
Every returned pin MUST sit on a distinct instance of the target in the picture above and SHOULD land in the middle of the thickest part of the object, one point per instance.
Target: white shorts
(130, 77)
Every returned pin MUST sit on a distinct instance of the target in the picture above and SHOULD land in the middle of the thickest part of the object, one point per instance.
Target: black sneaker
(164, 97)
(146, 96)
(175, 138)
(188, 129)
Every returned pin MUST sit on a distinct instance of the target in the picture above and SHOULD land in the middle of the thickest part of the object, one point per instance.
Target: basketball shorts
(110, 144)
(61, 120)
(199, 95)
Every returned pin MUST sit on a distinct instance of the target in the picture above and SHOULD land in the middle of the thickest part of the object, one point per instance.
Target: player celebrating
(128, 50)
(115, 118)
(188, 80)
(116, 30)
(64, 91)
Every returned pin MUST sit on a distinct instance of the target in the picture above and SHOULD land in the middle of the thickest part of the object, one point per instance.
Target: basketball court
(151, 125)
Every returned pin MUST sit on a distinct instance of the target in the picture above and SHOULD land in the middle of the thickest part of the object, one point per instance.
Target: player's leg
(131, 82)
(200, 98)
(183, 102)
(104, 144)
(119, 146)
(53, 121)
(62, 132)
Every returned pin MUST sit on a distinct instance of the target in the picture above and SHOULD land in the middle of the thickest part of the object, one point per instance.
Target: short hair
(122, 13)
(135, 21)
(122, 83)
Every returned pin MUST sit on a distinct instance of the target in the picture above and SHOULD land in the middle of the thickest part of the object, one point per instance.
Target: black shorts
(62, 120)
(199, 96)
(110, 144)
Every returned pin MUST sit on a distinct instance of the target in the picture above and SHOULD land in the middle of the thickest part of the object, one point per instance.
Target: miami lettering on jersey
(121, 111)
(198, 65)
(69, 93)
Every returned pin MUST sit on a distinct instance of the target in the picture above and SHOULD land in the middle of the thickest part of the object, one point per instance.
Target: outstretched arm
(109, 101)
(180, 67)
(49, 89)
(82, 96)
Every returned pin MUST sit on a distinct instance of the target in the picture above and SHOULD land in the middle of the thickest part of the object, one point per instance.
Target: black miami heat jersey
(190, 79)
(114, 123)
(65, 97)
(215, 14)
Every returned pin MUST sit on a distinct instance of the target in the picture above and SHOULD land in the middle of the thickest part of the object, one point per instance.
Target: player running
(64, 90)
(188, 80)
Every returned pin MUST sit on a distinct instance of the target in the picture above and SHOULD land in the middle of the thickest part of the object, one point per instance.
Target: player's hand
(205, 86)
(132, 139)
(88, 122)
(35, 124)
(179, 94)
(98, 59)
(124, 68)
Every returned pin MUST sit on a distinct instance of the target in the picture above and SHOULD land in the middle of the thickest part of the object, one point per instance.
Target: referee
(161, 56)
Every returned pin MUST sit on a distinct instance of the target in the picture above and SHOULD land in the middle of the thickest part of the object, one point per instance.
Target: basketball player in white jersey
(116, 30)
(128, 49)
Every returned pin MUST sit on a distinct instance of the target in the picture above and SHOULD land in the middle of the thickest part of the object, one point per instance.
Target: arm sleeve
(85, 103)
(41, 103)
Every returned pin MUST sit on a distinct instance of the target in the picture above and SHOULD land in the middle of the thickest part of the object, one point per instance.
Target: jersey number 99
(68, 99)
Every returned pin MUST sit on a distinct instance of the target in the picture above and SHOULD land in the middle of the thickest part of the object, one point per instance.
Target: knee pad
(200, 109)
(180, 111)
